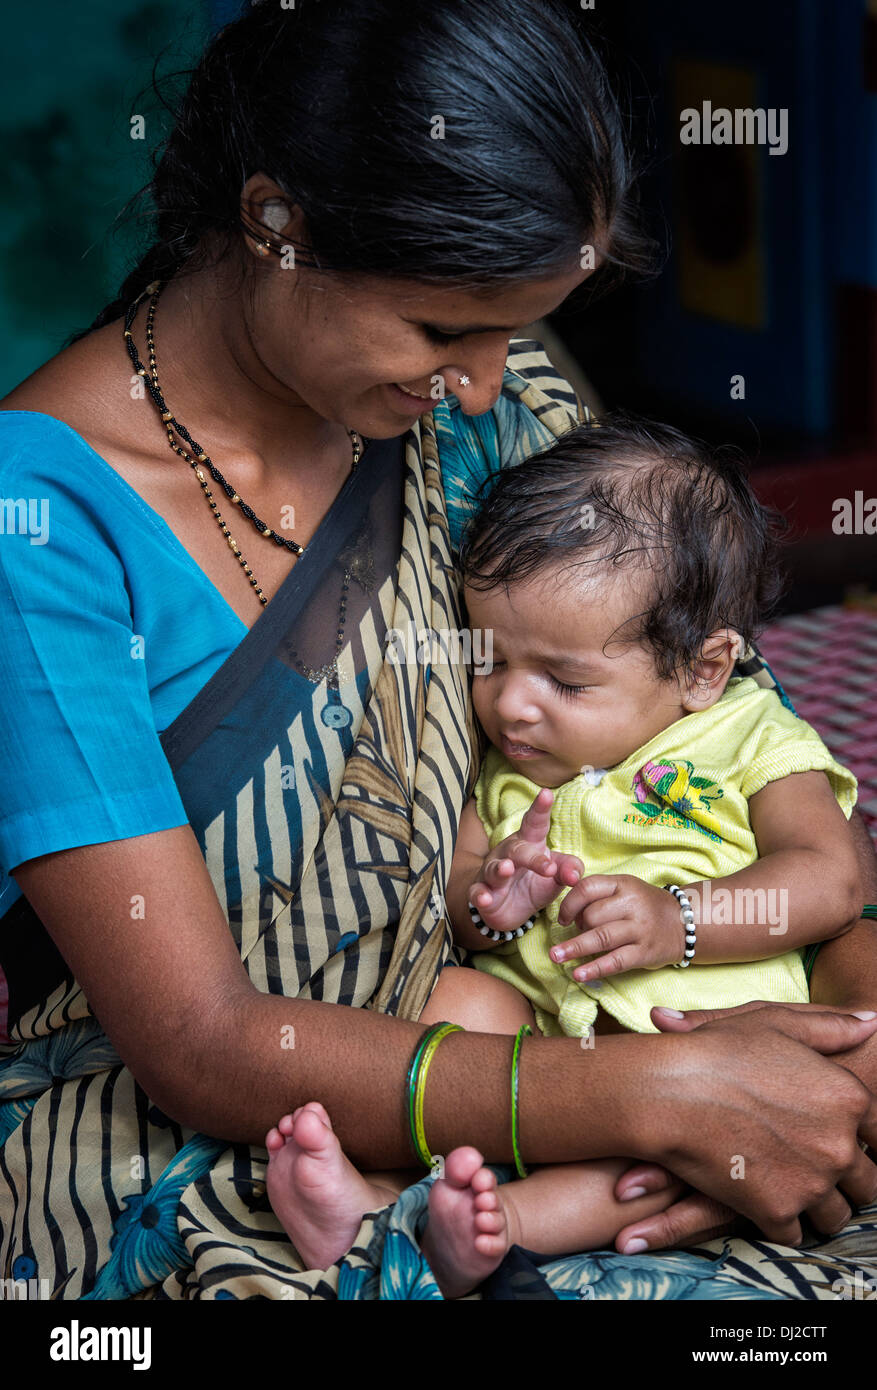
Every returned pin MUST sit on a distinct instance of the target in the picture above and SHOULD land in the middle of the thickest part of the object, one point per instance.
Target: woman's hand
(860, 1060)
(690, 1220)
(817, 1168)
(521, 875)
(845, 977)
(697, 1217)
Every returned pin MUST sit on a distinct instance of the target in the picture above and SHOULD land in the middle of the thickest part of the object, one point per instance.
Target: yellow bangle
(419, 1135)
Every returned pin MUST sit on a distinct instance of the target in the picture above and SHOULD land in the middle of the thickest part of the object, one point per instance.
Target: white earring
(275, 214)
(464, 381)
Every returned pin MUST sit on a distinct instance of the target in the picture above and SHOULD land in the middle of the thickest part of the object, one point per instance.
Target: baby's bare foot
(316, 1192)
(469, 1228)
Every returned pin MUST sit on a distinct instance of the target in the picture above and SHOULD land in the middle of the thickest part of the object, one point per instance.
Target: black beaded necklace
(335, 714)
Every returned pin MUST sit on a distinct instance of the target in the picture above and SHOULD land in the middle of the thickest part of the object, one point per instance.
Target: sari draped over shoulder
(326, 815)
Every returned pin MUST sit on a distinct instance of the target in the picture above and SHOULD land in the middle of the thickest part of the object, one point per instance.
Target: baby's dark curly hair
(630, 491)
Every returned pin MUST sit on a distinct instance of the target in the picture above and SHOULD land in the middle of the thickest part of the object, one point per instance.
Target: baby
(618, 575)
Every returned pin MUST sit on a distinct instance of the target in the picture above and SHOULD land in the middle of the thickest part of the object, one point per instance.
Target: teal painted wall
(71, 80)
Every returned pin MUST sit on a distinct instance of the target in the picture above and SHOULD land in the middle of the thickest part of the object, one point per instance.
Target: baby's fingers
(586, 891)
(497, 872)
(569, 869)
(611, 944)
(536, 819)
(615, 963)
(593, 943)
(535, 857)
(480, 895)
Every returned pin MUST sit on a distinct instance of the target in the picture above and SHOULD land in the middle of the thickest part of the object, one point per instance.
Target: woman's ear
(712, 670)
(264, 204)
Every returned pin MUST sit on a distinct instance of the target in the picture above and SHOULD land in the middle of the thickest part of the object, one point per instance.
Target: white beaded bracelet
(688, 921)
(499, 935)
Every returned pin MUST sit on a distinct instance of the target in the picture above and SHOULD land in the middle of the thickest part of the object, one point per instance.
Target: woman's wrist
(644, 1077)
(611, 1086)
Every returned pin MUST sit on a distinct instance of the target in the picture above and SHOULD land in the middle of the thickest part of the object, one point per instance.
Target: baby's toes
(319, 1110)
(490, 1223)
(274, 1140)
(487, 1201)
(493, 1246)
(483, 1181)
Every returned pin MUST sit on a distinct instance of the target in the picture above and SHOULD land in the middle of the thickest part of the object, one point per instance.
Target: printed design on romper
(683, 799)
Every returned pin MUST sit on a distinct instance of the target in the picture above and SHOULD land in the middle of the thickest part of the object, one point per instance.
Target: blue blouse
(100, 650)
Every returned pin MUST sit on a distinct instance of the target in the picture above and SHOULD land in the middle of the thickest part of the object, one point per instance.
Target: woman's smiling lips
(412, 400)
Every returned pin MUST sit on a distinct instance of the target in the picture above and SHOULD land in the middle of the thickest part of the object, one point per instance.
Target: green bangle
(411, 1082)
(425, 1063)
(516, 1053)
(811, 952)
(809, 960)
(413, 1086)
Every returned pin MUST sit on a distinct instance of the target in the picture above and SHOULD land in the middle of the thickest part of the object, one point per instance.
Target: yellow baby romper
(675, 811)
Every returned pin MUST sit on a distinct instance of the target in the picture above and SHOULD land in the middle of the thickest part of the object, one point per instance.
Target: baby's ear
(705, 684)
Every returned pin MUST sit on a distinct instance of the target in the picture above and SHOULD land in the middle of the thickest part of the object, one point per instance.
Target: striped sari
(327, 823)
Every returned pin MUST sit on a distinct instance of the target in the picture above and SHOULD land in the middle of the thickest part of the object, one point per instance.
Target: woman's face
(346, 347)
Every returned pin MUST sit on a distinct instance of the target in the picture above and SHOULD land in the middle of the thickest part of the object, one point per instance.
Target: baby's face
(549, 633)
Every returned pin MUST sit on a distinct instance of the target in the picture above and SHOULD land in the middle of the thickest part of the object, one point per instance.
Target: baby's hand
(630, 925)
(520, 875)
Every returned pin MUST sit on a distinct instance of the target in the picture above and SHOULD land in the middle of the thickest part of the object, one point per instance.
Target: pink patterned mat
(826, 660)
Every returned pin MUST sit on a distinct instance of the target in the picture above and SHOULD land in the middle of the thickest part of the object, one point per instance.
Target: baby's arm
(470, 848)
(806, 887)
(510, 882)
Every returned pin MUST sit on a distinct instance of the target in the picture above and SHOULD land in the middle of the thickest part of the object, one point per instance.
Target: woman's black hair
(461, 142)
(629, 491)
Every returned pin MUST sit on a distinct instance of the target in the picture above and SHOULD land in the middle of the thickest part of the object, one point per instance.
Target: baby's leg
(477, 1002)
(321, 1198)
(557, 1210)
(567, 1207)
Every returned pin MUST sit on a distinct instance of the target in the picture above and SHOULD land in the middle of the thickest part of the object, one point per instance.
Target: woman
(229, 810)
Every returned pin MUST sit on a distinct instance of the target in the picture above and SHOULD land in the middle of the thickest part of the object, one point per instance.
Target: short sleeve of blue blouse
(80, 757)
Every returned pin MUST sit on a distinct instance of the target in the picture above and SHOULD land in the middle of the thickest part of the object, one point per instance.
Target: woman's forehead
(474, 310)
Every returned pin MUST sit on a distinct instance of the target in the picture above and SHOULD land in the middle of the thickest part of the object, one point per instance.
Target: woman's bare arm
(845, 970)
(171, 992)
(172, 995)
